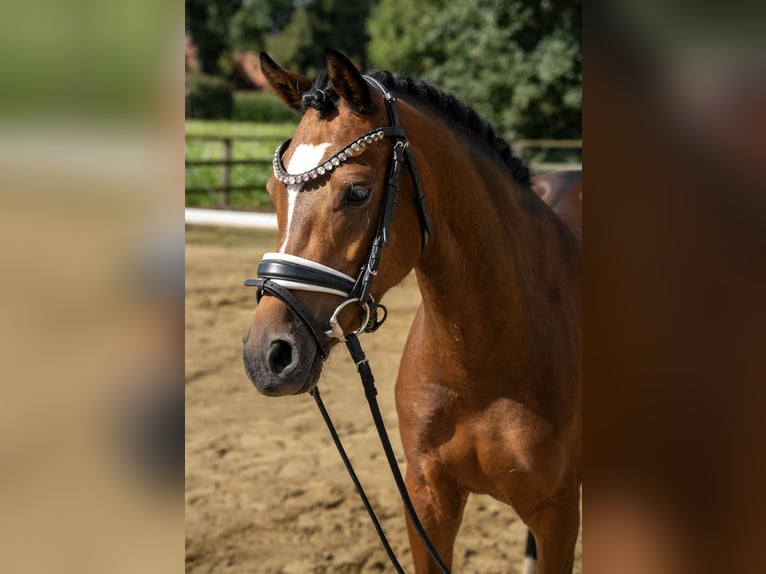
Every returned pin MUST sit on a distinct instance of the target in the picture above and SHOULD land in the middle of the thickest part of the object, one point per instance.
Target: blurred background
(91, 296)
(92, 136)
(675, 321)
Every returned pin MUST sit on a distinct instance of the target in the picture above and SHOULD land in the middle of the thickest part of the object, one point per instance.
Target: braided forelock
(321, 97)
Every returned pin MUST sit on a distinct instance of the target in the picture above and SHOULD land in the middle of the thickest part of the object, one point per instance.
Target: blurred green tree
(220, 26)
(207, 21)
(256, 20)
(316, 24)
(295, 32)
(517, 62)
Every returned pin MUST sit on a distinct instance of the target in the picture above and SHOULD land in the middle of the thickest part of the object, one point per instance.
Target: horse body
(489, 388)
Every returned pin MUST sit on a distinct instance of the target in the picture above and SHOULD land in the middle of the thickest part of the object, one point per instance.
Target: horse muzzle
(282, 362)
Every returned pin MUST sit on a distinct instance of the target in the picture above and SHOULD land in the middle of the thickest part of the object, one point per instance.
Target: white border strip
(307, 263)
(296, 286)
(217, 217)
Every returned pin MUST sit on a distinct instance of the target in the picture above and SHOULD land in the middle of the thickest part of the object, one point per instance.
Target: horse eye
(357, 194)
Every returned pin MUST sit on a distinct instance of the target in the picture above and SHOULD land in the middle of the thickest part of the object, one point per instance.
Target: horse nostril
(280, 357)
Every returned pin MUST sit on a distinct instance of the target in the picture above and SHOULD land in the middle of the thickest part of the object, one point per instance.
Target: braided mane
(323, 98)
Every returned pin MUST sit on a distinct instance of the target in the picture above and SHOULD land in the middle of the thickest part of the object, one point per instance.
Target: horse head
(332, 190)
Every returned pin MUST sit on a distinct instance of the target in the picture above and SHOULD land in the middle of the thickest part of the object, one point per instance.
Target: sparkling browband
(329, 164)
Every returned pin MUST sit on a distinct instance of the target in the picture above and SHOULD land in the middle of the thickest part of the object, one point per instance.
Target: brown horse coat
(489, 389)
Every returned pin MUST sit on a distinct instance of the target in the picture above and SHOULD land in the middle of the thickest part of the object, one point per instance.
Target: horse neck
(499, 255)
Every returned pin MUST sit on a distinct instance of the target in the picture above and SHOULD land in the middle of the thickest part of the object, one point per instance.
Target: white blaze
(306, 157)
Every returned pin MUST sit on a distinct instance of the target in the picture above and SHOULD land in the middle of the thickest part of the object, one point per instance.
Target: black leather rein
(279, 274)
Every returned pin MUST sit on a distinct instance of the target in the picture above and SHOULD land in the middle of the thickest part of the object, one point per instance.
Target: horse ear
(287, 85)
(348, 81)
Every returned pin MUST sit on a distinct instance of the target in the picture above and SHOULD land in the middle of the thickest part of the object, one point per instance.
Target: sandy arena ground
(266, 492)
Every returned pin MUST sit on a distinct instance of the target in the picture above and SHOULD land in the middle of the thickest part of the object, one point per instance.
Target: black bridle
(279, 274)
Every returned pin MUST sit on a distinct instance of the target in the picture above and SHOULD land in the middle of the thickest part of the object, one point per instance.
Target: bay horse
(489, 388)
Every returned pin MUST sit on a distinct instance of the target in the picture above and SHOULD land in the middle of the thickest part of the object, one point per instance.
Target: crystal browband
(329, 164)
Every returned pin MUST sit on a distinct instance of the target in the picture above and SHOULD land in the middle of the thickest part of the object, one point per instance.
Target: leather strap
(417, 184)
(294, 304)
(287, 270)
(370, 392)
(420, 199)
(355, 479)
(392, 191)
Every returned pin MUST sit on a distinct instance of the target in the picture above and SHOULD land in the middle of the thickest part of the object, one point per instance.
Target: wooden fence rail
(222, 190)
(565, 144)
(227, 162)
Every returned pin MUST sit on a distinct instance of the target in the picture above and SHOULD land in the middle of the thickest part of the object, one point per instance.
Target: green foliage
(261, 107)
(208, 97)
(208, 23)
(286, 48)
(317, 24)
(395, 28)
(257, 19)
(518, 63)
(294, 32)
